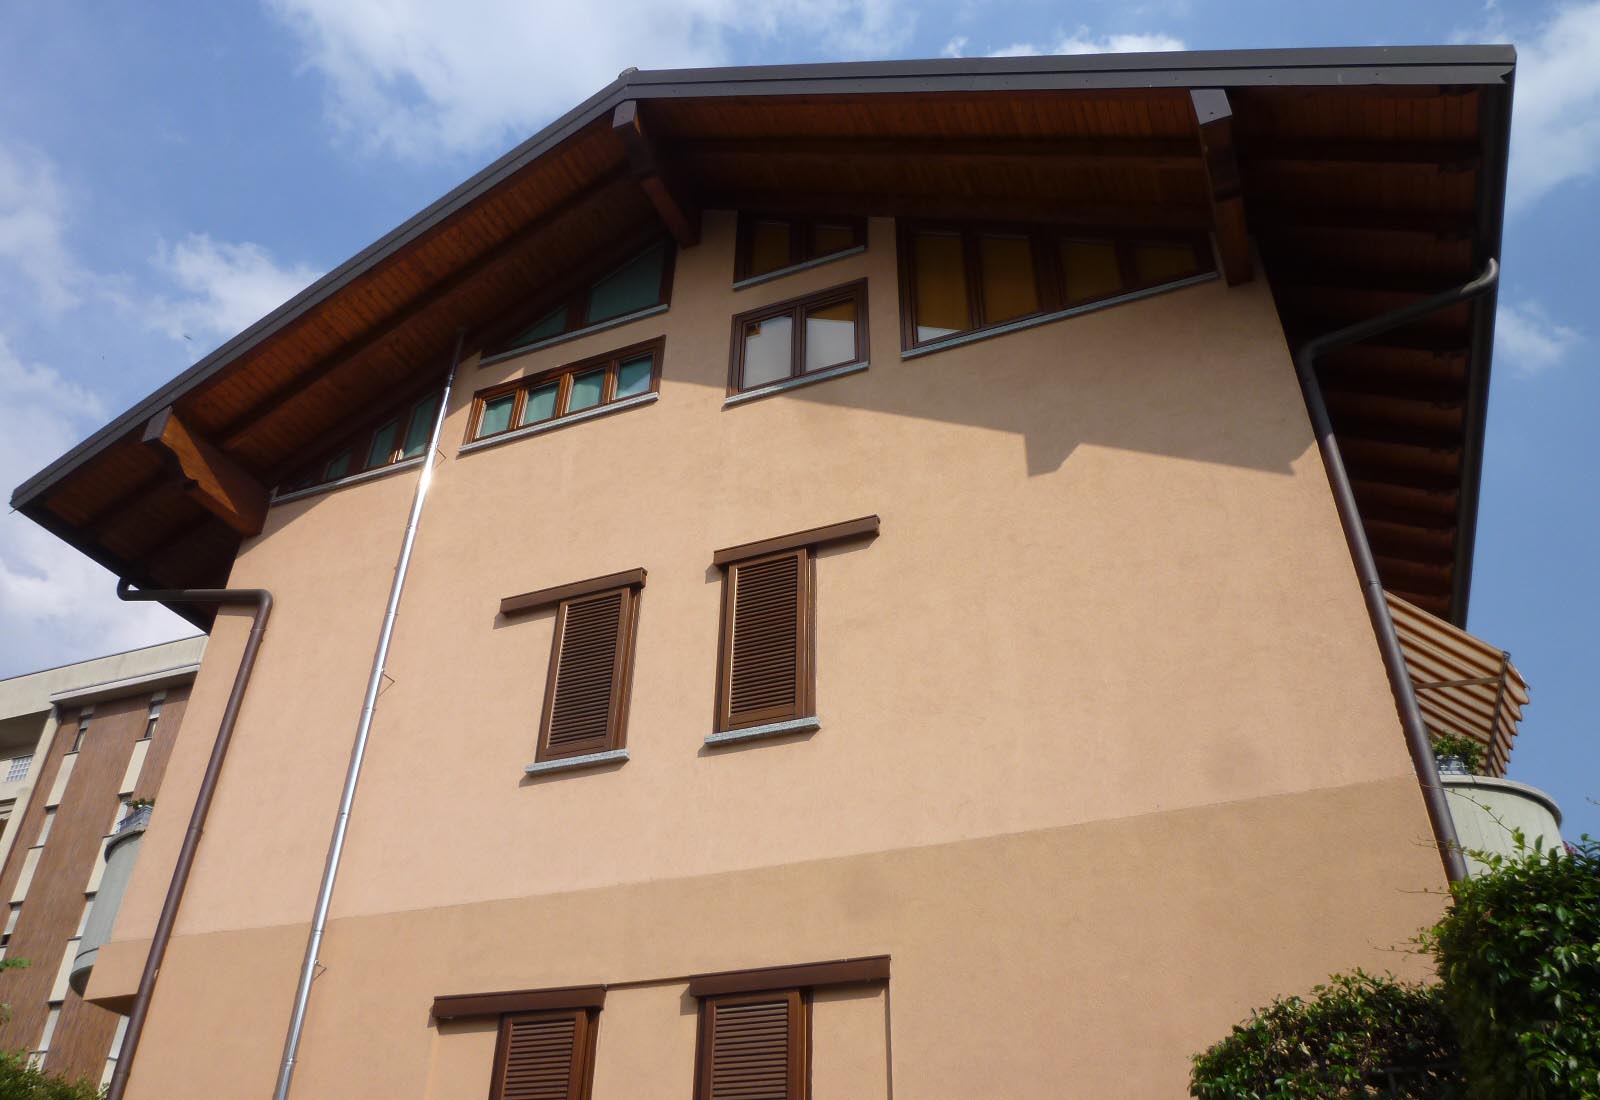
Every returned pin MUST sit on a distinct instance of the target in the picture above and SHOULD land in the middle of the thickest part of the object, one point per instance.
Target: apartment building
(84, 748)
(827, 581)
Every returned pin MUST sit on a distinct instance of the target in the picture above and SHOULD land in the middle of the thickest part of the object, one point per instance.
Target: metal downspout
(261, 600)
(358, 751)
(1394, 663)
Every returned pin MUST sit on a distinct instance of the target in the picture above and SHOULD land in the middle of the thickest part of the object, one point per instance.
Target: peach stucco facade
(1106, 757)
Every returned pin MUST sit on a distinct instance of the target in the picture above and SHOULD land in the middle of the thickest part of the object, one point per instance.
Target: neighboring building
(879, 621)
(82, 741)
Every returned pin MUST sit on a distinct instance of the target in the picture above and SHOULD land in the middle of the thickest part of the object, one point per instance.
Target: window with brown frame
(771, 244)
(591, 659)
(399, 435)
(961, 279)
(766, 640)
(640, 283)
(802, 337)
(555, 395)
(754, 1045)
(545, 1056)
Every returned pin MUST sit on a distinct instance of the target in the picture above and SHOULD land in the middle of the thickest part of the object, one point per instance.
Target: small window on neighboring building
(46, 1037)
(151, 720)
(545, 1056)
(11, 922)
(554, 395)
(643, 282)
(754, 1045)
(18, 768)
(770, 245)
(791, 340)
(766, 640)
(962, 279)
(45, 826)
(586, 690)
(83, 729)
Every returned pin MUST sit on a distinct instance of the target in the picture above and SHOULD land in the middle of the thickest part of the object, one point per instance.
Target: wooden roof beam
(1153, 217)
(210, 477)
(681, 217)
(1214, 119)
(1061, 152)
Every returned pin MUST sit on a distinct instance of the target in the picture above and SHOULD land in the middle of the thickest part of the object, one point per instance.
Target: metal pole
(1394, 662)
(358, 751)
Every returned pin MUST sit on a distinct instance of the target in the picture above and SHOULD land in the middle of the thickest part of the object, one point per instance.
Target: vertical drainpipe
(358, 750)
(261, 600)
(1355, 533)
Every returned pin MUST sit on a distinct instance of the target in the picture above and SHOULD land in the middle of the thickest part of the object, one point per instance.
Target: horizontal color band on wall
(549, 597)
(462, 1006)
(864, 527)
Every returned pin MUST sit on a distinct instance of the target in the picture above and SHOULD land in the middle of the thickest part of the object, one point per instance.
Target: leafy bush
(1519, 956)
(1341, 1043)
(20, 1081)
(1464, 749)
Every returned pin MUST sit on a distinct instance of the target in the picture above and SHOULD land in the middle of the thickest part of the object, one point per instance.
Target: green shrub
(1464, 749)
(20, 1081)
(1519, 957)
(1336, 1045)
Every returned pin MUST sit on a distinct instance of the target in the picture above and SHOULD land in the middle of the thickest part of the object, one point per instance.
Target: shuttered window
(766, 640)
(753, 1047)
(545, 1056)
(586, 692)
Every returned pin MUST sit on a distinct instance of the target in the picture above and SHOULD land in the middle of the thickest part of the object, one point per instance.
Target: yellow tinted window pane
(1162, 263)
(1009, 287)
(830, 335)
(1090, 270)
(828, 239)
(769, 247)
(941, 279)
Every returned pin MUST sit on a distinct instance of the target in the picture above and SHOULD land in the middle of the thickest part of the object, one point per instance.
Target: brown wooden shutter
(766, 650)
(753, 1047)
(544, 1056)
(586, 690)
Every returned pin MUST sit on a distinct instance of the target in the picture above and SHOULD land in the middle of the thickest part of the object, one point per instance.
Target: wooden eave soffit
(1214, 120)
(681, 217)
(210, 477)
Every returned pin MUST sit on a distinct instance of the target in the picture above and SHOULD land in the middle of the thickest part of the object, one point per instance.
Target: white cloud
(225, 288)
(1529, 341)
(1081, 41)
(58, 605)
(33, 227)
(1555, 131)
(418, 78)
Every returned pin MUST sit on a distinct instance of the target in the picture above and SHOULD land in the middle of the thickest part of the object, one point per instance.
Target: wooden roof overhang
(1365, 178)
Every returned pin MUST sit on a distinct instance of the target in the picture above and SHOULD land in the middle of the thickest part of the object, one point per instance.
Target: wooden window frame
(804, 703)
(800, 1031)
(608, 361)
(1049, 279)
(309, 475)
(801, 235)
(621, 672)
(795, 309)
(584, 1044)
(500, 340)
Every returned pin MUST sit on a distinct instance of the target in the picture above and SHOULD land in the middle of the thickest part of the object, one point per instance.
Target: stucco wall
(1110, 586)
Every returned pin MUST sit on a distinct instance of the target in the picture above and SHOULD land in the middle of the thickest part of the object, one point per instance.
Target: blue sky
(169, 173)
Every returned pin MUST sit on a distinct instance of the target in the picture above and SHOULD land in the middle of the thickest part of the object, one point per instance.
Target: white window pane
(830, 335)
(767, 350)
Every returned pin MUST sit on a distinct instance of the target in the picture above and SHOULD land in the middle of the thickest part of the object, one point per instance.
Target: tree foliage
(1349, 1039)
(20, 1081)
(1519, 959)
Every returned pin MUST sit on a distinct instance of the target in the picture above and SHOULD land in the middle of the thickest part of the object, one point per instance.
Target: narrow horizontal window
(586, 690)
(545, 1056)
(642, 281)
(789, 340)
(401, 433)
(960, 279)
(771, 244)
(754, 1046)
(575, 388)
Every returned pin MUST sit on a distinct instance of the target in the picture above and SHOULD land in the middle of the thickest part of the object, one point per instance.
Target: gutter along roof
(1368, 177)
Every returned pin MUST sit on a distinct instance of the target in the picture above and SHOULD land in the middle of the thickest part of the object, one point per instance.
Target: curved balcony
(122, 852)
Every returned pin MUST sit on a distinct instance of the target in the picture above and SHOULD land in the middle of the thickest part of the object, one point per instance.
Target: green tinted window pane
(633, 377)
(382, 444)
(767, 350)
(540, 403)
(421, 427)
(586, 390)
(551, 324)
(496, 416)
(339, 465)
(636, 285)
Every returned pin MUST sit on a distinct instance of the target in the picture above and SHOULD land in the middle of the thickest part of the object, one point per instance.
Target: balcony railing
(138, 817)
